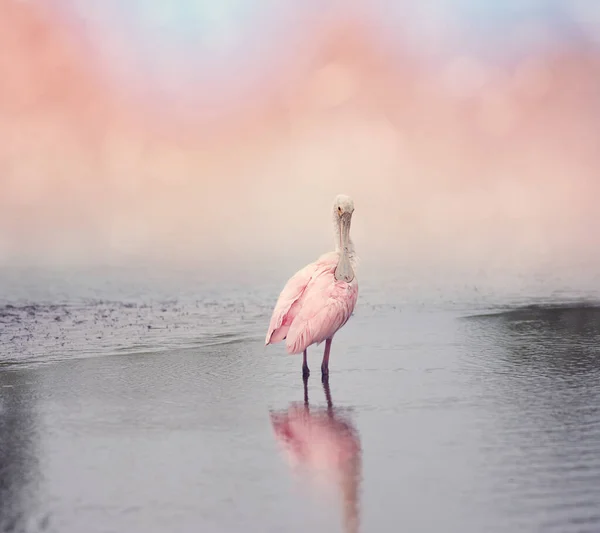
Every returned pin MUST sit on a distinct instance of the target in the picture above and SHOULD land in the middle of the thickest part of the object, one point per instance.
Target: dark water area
(143, 407)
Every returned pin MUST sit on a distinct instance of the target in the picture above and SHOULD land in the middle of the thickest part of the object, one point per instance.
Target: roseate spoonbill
(324, 443)
(319, 299)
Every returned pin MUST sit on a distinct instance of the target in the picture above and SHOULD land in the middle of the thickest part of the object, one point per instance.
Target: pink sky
(458, 159)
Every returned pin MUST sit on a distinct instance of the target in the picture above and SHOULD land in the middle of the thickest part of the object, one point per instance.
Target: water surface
(145, 406)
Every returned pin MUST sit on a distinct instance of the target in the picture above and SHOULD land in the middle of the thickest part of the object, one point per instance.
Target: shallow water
(141, 406)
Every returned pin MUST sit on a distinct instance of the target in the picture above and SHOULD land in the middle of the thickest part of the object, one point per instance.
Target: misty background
(215, 138)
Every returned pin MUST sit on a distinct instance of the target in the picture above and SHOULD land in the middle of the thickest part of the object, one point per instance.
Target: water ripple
(539, 366)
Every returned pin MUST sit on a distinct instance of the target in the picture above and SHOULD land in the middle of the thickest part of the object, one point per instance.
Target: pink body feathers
(312, 306)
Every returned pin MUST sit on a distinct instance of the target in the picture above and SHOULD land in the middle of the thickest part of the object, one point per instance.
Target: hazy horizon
(196, 137)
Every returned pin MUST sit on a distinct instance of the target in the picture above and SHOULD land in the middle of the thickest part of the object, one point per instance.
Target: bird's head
(343, 206)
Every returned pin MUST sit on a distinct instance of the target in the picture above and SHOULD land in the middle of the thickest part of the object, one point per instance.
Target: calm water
(150, 404)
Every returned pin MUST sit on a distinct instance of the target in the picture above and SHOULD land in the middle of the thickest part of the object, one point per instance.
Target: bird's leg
(325, 363)
(305, 370)
(305, 392)
(328, 396)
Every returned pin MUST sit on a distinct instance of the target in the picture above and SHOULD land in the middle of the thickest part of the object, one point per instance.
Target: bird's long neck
(345, 248)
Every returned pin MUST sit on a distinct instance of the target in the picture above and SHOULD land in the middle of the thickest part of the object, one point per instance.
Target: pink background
(467, 132)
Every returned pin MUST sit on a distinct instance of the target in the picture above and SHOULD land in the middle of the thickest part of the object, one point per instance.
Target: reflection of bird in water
(319, 299)
(323, 442)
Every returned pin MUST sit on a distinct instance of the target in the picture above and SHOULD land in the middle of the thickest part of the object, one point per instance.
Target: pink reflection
(323, 443)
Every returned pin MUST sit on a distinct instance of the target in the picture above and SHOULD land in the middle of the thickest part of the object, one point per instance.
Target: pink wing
(285, 308)
(326, 306)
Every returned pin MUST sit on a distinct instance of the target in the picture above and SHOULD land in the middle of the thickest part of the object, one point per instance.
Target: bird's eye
(339, 209)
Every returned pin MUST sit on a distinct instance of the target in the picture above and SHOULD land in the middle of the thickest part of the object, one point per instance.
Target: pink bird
(319, 299)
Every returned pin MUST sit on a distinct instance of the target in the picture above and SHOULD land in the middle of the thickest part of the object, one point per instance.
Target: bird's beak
(345, 221)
